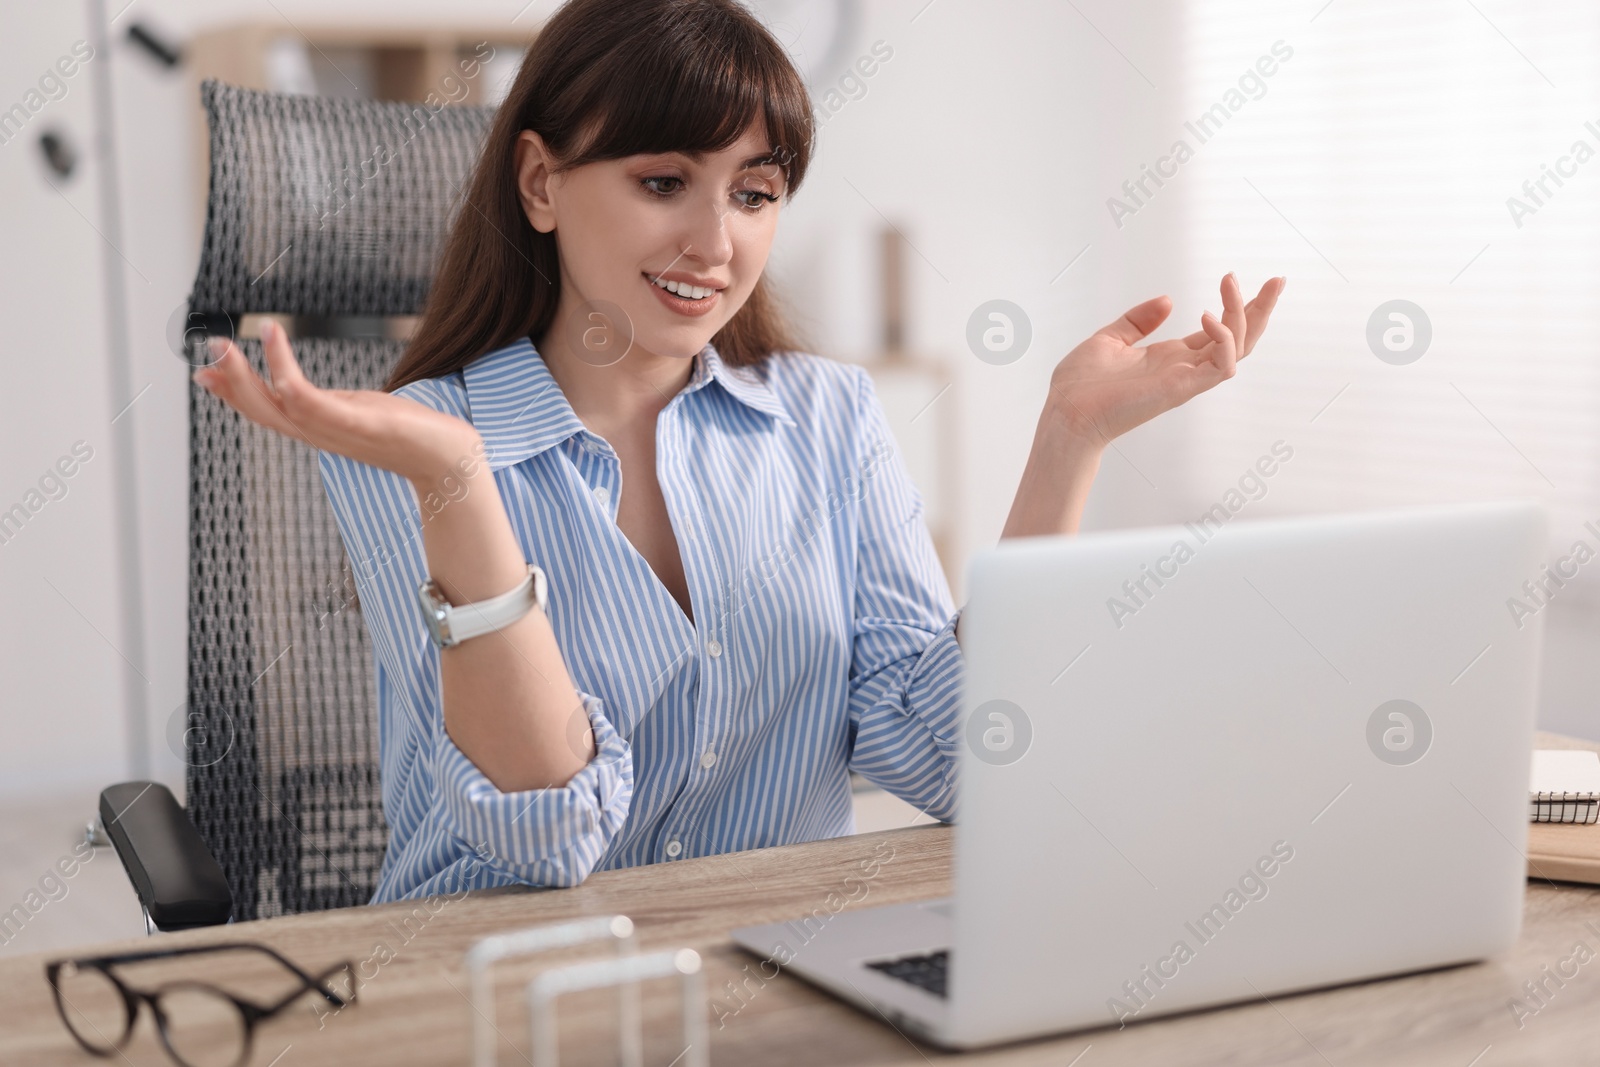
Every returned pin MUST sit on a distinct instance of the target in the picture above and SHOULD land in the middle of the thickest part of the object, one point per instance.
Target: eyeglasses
(200, 1025)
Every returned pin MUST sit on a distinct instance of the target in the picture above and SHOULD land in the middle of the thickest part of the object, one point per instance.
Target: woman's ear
(534, 165)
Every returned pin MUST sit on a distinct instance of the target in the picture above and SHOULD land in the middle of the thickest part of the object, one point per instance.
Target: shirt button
(674, 848)
(708, 758)
(602, 494)
(713, 648)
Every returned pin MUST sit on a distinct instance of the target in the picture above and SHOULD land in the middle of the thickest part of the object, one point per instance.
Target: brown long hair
(628, 76)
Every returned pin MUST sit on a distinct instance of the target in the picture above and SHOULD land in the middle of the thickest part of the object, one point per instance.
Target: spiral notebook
(1565, 786)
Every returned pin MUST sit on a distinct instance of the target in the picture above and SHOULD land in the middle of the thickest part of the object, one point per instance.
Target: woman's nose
(706, 234)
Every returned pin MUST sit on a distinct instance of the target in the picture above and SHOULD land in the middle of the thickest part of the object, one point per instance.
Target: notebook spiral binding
(1564, 807)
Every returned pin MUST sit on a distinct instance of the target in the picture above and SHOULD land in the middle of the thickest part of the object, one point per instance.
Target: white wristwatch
(450, 624)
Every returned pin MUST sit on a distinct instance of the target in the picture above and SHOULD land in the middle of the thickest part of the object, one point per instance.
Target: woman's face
(676, 242)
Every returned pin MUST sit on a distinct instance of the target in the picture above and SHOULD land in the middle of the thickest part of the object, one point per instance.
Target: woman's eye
(755, 199)
(653, 185)
(667, 185)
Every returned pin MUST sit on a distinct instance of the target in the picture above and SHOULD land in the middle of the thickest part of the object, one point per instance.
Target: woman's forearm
(509, 703)
(1055, 482)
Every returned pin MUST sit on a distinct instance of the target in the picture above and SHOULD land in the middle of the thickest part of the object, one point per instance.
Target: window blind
(1443, 153)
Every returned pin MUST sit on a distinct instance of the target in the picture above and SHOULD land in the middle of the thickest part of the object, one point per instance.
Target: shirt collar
(520, 411)
(748, 385)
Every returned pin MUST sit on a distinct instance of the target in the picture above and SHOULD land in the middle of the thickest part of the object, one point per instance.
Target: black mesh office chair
(330, 211)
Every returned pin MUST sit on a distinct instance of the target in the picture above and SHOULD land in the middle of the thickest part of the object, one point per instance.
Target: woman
(743, 600)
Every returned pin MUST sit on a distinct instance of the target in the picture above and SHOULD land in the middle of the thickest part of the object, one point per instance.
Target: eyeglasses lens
(203, 1027)
(93, 1007)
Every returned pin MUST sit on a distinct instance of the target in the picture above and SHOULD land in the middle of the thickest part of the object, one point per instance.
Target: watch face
(433, 614)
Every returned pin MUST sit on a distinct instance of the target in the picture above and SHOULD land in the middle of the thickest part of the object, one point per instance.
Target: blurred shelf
(371, 62)
(918, 396)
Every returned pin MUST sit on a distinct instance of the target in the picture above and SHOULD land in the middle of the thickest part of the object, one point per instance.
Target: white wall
(991, 140)
(60, 669)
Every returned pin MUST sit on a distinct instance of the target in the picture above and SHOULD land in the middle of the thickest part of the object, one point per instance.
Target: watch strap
(450, 624)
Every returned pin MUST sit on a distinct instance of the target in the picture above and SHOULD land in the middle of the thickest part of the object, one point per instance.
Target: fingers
(1219, 344)
(1257, 312)
(300, 401)
(1226, 356)
(1233, 316)
(1139, 320)
(232, 380)
(1185, 379)
(287, 378)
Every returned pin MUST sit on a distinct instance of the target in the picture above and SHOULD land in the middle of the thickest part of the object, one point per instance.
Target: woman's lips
(672, 302)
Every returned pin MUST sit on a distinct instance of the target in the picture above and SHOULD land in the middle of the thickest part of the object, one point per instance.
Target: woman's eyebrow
(770, 156)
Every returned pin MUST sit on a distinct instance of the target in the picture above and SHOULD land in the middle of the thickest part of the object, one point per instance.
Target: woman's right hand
(507, 701)
(373, 427)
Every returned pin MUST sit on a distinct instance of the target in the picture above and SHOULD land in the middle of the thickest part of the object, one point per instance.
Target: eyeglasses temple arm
(309, 981)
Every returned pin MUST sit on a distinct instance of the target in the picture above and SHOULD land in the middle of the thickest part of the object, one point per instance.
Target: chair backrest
(317, 208)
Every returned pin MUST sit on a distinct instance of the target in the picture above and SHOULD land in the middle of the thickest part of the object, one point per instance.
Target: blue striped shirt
(822, 641)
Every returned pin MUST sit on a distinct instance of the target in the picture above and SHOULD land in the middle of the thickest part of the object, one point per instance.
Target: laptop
(1211, 763)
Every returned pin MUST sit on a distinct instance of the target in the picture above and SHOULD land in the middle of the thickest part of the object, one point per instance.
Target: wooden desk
(412, 1011)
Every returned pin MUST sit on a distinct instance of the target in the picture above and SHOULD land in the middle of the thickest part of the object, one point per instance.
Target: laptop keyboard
(924, 970)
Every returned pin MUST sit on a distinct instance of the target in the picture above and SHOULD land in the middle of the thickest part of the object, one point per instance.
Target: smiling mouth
(683, 289)
(682, 297)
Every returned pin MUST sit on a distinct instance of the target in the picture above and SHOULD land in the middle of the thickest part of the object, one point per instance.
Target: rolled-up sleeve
(907, 670)
(545, 837)
(551, 837)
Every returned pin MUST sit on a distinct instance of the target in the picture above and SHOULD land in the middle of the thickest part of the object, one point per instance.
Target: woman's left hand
(1109, 384)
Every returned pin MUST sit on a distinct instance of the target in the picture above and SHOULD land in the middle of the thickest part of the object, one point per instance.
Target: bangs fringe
(706, 81)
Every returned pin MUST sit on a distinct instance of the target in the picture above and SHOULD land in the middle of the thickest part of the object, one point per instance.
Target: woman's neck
(611, 398)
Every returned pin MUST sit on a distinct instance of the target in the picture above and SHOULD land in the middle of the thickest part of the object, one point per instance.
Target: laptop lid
(1213, 762)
